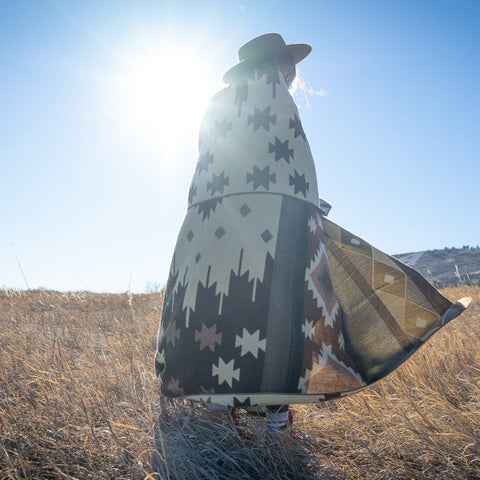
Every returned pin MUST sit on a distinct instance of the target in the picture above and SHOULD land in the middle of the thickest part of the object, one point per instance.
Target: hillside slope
(448, 267)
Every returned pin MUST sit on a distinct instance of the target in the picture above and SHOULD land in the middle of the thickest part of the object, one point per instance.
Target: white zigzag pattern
(322, 362)
(327, 353)
(222, 255)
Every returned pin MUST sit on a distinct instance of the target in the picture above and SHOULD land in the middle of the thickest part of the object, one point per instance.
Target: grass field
(78, 399)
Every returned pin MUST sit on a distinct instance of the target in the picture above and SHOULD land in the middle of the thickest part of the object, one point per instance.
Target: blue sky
(100, 104)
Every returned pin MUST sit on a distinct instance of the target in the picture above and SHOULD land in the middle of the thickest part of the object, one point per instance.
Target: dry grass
(77, 394)
(78, 399)
(191, 447)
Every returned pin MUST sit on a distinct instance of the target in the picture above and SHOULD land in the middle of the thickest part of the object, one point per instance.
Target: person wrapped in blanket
(268, 303)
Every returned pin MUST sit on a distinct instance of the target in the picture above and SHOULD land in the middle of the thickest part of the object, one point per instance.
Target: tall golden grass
(78, 399)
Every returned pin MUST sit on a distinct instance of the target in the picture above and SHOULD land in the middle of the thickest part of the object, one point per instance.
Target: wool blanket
(267, 301)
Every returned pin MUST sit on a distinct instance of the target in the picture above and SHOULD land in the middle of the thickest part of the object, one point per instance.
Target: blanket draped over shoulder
(267, 301)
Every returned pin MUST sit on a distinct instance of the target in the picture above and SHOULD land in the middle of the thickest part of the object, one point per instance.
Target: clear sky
(100, 104)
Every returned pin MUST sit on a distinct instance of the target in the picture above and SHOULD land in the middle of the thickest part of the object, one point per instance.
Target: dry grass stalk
(190, 446)
(77, 391)
(78, 399)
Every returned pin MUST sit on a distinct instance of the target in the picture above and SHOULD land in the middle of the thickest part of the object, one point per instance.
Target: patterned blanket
(267, 301)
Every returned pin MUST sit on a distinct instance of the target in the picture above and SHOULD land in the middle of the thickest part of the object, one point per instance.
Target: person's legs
(277, 417)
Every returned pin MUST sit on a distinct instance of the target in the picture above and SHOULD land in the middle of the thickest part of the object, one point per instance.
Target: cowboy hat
(264, 46)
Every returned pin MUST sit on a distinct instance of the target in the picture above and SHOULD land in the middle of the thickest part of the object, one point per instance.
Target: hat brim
(298, 51)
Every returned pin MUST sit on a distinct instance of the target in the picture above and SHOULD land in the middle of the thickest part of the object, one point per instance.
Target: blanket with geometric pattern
(267, 301)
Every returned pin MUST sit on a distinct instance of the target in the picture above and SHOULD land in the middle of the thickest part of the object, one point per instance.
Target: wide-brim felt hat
(265, 46)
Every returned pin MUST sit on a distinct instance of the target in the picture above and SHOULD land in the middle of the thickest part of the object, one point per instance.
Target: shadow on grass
(190, 446)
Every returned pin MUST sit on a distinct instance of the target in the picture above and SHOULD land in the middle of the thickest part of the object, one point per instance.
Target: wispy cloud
(302, 91)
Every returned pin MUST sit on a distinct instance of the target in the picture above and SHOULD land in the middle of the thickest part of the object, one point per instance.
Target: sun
(161, 94)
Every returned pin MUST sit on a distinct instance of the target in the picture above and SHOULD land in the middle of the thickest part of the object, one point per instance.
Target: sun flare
(161, 95)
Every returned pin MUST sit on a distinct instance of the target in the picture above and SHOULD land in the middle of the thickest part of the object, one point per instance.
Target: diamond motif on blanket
(267, 236)
(325, 282)
(320, 284)
(389, 279)
(419, 320)
(220, 232)
(244, 210)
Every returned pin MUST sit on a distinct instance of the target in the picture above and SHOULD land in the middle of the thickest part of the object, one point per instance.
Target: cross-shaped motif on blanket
(307, 328)
(218, 183)
(173, 386)
(160, 357)
(262, 118)
(172, 334)
(209, 391)
(203, 161)
(313, 224)
(208, 337)
(296, 124)
(281, 150)
(261, 177)
(299, 183)
(250, 343)
(225, 372)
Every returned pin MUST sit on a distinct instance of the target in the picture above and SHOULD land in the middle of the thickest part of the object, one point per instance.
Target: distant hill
(447, 267)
